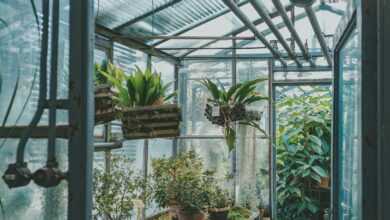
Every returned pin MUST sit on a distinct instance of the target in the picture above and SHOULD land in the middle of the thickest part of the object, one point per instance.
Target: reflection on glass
(350, 130)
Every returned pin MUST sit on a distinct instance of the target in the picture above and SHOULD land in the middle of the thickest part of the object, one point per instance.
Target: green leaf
(320, 171)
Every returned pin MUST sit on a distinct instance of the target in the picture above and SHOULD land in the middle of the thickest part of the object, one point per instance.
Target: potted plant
(104, 105)
(220, 203)
(239, 213)
(227, 106)
(181, 184)
(264, 212)
(142, 98)
(117, 192)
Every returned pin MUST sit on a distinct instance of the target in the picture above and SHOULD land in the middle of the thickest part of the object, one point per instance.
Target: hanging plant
(104, 104)
(228, 106)
(142, 98)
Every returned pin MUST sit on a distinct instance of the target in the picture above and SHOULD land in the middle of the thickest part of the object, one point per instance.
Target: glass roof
(139, 18)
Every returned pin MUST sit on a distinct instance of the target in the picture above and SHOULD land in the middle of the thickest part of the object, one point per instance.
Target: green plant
(239, 94)
(239, 213)
(141, 88)
(219, 198)
(303, 151)
(115, 191)
(181, 182)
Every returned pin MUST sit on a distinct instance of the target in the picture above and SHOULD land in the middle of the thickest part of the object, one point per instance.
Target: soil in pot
(184, 215)
(218, 214)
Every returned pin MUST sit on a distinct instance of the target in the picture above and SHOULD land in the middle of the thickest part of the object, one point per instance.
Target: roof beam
(279, 26)
(202, 21)
(135, 44)
(147, 14)
(259, 8)
(291, 28)
(273, 14)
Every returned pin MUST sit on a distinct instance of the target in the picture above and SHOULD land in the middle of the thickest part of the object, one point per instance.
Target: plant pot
(264, 214)
(151, 122)
(104, 105)
(184, 215)
(219, 114)
(219, 214)
(325, 183)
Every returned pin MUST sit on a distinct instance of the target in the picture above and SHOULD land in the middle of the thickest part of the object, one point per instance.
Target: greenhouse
(194, 109)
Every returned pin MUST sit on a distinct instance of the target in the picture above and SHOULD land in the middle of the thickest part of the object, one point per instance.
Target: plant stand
(151, 122)
(218, 114)
(104, 105)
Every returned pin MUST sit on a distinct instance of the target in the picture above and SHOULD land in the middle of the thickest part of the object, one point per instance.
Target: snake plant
(241, 93)
(141, 88)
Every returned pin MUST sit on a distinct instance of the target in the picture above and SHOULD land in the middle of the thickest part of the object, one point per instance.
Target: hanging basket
(104, 104)
(151, 122)
(218, 114)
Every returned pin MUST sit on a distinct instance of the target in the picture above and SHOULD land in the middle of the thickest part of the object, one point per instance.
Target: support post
(81, 115)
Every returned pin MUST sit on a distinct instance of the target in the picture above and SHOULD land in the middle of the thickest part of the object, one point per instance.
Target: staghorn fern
(241, 93)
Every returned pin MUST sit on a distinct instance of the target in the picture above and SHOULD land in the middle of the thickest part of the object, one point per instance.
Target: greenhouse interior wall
(323, 111)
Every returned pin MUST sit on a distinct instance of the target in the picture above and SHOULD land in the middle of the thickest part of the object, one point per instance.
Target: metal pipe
(211, 48)
(319, 34)
(42, 86)
(264, 14)
(253, 28)
(51, 152)
(290, 27)
(189, 38)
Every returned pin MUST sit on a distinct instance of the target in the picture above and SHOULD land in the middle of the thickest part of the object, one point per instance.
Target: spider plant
(239, 94)
(141, 88)
(108, 73)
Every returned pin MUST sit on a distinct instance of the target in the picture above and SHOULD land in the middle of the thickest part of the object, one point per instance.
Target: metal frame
(260, 9)
(335, 164)
(383, 125)
(81, 115)
(139, 18)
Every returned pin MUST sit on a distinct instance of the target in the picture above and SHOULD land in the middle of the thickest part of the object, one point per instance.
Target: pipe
(294, 33)
(51, 152)
(252, 27)
(190, 38)
(42, 86)
(319, 34)
(264, 14)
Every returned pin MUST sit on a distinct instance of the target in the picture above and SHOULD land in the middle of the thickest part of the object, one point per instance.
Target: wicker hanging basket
(151, 122)
(105, 110)
(218, 114)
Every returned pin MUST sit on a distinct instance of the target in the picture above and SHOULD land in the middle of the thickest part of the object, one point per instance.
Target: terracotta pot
(183, 215)
(325, 182)
(219, 214)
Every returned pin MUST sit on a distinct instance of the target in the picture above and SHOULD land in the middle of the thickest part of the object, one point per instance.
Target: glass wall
(249, 164)
(20, 35)
(350, 142)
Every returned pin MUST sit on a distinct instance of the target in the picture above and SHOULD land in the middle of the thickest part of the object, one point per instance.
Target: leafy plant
(239, 94)
(181, 182)
(141, 88)
(239, 213)
(303, 151)
(116, 191)
(219, 198)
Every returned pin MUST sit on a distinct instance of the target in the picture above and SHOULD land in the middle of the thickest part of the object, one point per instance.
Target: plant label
(215, 111)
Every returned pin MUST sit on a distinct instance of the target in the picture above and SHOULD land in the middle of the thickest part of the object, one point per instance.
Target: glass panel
(20, 59)
(350, 130)
(296, 76)
(127, 58)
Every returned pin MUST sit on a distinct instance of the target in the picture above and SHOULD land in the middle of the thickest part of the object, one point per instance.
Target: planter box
(104, 105)
(218, 114)
(219, 214)
(151, 122)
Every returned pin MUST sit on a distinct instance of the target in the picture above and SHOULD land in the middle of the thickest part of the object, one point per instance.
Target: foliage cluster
(239, 94)
(239, 213)
(303, 151)
(140, 88)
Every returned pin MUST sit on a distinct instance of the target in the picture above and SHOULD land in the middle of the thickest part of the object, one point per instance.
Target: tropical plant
(239, 213)
(141, 88)
(181, 182)
(239, 94)
(303, 151)
(116, 191)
